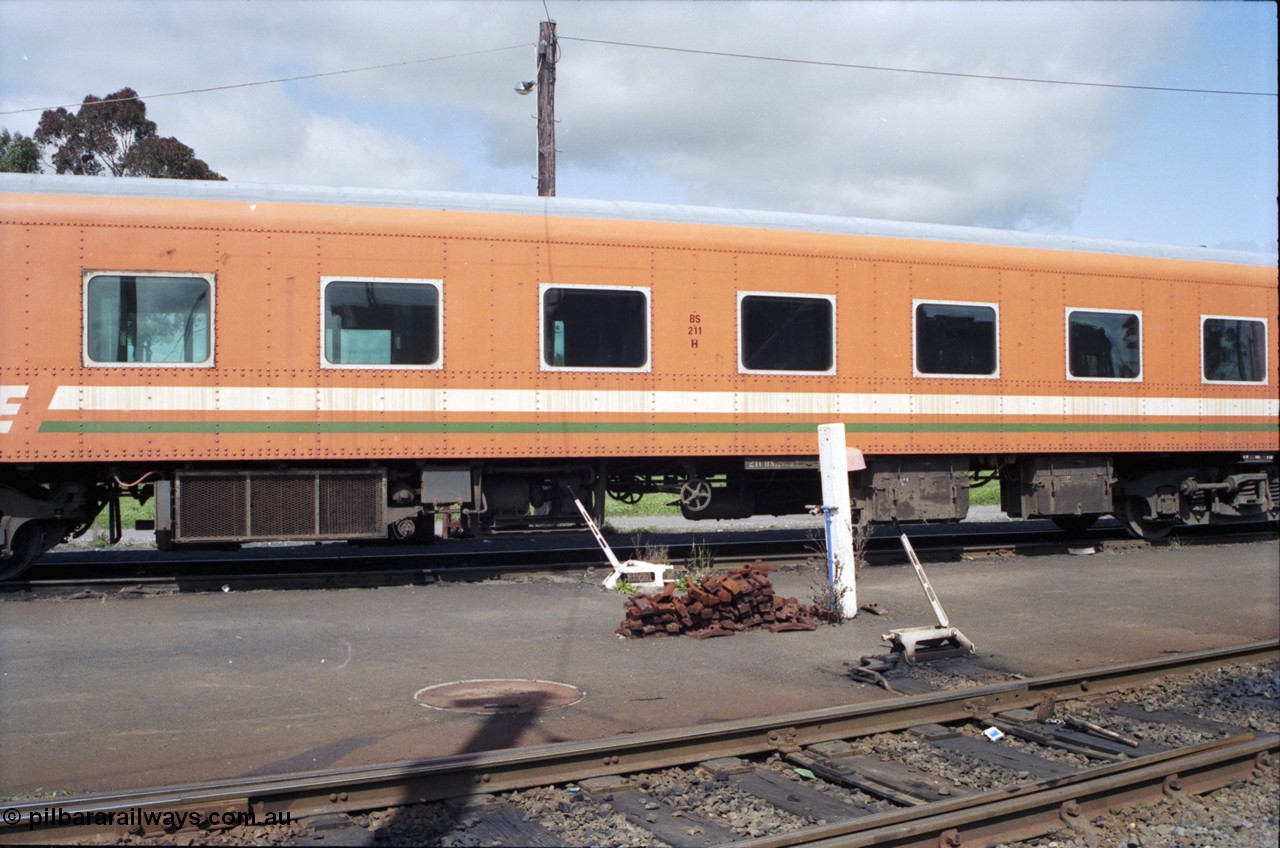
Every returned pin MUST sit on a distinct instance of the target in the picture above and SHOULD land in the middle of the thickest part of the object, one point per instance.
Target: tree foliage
(19, 154)
(112, 135)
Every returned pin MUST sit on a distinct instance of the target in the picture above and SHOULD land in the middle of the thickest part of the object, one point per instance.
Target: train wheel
(28, 543)
(1133, 517)
(418, 530)
(1075, 523)
(695, 494)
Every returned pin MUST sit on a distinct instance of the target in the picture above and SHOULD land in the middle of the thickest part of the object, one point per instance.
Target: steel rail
(570, 546)
(1034, 809)
(357, 789)
(423, 568)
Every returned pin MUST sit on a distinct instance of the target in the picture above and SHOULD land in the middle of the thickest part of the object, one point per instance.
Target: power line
(694, 51)
(913, 70)
(275, 81)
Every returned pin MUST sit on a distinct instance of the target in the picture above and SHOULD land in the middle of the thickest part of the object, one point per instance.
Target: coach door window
(956, 340)
(1104, 345)
(595, 328)
(381, 323)
(786, 333)
(145, 319)
(1233, 350)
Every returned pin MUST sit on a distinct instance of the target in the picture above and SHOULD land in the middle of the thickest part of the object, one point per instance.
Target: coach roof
(603, 210)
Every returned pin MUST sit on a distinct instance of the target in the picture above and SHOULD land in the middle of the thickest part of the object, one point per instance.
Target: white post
(833, 459)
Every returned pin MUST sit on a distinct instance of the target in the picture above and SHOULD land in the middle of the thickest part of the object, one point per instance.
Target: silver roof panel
(602, 209)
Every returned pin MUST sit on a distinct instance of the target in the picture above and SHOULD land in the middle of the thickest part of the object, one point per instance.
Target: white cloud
(632, 123)
(275, 142)
(863, 142)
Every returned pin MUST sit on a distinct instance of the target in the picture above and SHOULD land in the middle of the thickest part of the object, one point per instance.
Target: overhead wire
(276, 81)
(668, 48)
(850, 66)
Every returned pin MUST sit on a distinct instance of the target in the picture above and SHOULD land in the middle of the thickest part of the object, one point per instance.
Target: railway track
(917, 770)
(147, 572)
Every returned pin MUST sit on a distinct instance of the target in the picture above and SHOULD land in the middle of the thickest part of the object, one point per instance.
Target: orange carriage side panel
(1234, 298)
(696, 330)
(695, 350)
(36, 306)
(40, 348)
(272, 393)
(877, 326)
(1092, 430)
(369, 254)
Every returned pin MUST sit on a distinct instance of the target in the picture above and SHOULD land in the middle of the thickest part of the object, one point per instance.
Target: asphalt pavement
(115, 693)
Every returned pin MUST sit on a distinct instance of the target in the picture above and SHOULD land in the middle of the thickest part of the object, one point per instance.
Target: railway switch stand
(656, 571)
(925, 643)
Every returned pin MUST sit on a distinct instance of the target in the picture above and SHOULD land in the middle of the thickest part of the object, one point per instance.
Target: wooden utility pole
(547, 54)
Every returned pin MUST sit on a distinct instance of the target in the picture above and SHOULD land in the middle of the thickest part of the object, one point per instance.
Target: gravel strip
(1245, 815)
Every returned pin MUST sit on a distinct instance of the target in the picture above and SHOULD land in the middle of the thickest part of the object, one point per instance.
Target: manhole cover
(499, 696)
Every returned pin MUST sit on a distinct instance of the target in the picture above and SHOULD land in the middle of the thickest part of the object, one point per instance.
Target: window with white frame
(1233, 350)
(786, 333)
(956, 339)
(1104, 344)
(381, 323)
(589, 327)
(148, 319)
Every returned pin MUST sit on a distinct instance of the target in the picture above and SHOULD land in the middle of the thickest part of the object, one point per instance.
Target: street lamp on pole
(548, 52)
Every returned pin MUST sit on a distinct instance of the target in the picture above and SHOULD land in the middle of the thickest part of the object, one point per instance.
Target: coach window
(956, 340)
(1233, 350)
(586, 327)
(381, 323)
(1104, 345)
(143, 319)
(790, 333)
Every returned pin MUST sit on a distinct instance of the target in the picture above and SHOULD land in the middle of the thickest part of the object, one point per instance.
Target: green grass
(130, 513)
(988, 495)
(650, 506)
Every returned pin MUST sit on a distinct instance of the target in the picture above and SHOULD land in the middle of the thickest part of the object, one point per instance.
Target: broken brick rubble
(742, 599)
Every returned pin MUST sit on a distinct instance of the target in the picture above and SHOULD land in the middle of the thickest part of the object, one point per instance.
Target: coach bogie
(1149, 517)
(35, 518)
(1150, 503)
(22, 540)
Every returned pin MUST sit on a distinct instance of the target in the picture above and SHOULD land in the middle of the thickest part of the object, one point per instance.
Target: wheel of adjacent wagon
(28, 543)
(627, 497)
(1133, 517)
(695, 494)
(418, 530)
(1075, 523)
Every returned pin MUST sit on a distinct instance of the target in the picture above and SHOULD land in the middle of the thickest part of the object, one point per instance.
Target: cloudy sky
(689, 124)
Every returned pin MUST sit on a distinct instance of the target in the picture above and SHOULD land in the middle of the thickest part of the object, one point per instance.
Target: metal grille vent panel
(211, 507)
(279, 506)
(282, 506)
(346, 507)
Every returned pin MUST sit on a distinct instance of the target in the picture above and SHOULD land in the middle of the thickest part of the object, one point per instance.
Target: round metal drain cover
(499, 696)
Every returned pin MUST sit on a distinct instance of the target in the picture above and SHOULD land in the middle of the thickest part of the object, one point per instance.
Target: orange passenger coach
(304, 363)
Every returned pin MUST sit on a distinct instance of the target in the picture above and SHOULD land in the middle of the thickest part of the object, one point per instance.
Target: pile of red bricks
(743, 599)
